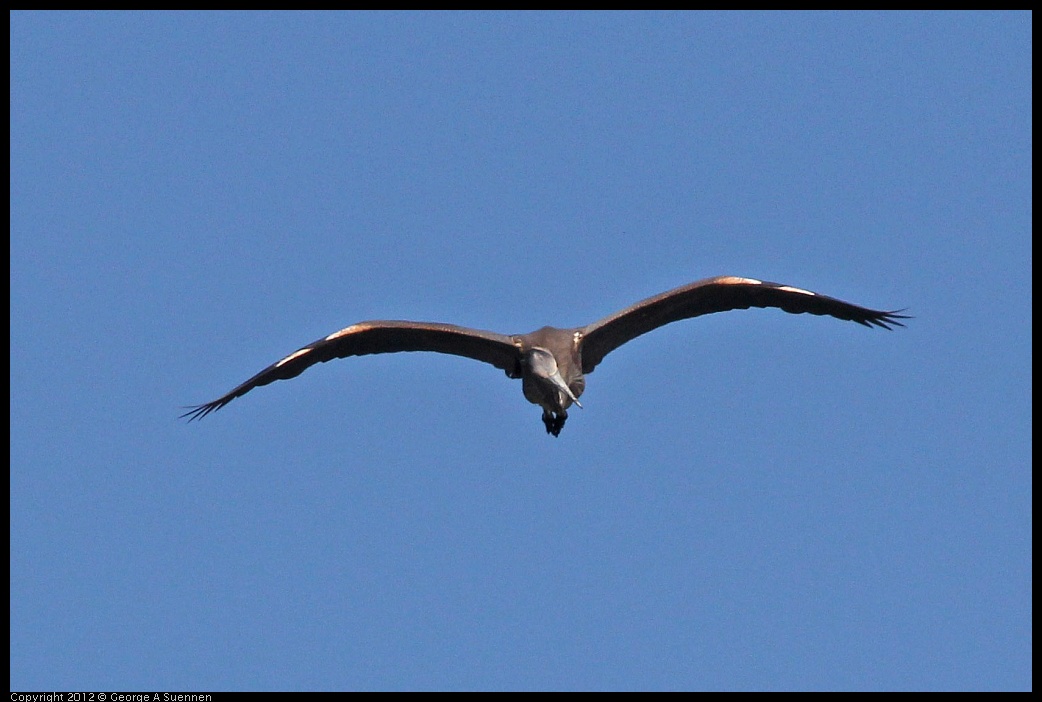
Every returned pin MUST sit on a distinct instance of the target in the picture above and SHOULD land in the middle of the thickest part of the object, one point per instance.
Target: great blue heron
(552, 362)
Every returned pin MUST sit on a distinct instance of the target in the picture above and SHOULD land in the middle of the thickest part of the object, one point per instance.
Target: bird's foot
(554, 422)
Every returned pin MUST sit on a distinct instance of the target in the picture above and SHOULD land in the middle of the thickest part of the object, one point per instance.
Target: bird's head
(540, 365)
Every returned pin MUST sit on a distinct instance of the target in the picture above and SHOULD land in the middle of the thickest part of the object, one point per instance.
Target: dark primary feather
(717, 295)
(378, 337)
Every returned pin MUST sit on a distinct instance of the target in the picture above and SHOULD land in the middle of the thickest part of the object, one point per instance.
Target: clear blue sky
(752, 500)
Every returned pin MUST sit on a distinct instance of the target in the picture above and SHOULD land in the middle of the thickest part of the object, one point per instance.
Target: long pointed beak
(557, 380)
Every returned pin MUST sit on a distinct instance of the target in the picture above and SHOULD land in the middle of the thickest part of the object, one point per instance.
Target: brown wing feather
(378, 337)
(717, 295)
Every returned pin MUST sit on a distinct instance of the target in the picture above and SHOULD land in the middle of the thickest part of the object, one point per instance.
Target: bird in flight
(552, 363)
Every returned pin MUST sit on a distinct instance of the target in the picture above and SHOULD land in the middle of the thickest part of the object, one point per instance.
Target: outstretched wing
(378, 337)
(717, 295)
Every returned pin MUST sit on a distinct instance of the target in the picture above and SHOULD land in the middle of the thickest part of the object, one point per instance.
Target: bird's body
(563, 346)
(552, 363)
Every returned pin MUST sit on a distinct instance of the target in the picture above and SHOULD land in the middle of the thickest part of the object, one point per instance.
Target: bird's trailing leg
(554, 421)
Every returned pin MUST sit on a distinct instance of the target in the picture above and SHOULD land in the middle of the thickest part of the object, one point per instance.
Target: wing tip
(196, 412)
(886, 320)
